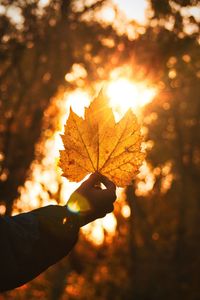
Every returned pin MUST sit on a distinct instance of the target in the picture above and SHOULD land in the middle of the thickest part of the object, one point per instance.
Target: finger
(110, 208)
(92, 180)
(109, 195)
(102, 211)
(102, 197)
(108, 183)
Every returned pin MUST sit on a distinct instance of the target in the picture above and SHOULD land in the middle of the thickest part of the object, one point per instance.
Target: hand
(89, 202)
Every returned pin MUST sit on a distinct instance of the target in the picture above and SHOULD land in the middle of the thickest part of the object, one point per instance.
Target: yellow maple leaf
(98, 143)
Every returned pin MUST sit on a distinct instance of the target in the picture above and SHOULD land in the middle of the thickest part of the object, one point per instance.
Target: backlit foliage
(98, 143)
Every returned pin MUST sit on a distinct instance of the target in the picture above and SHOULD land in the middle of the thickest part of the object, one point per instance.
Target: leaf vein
(119, 166)
(84, 144)
(115, 147)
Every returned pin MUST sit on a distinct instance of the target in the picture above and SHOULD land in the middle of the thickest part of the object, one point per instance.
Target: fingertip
(107, 182)
(92, 180)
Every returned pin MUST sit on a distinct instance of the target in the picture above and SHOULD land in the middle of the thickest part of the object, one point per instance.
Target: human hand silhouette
(89, 202)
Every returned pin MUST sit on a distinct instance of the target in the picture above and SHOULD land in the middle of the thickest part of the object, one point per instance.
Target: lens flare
(78, 203)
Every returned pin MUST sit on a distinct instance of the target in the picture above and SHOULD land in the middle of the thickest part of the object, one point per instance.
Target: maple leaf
(98, 143)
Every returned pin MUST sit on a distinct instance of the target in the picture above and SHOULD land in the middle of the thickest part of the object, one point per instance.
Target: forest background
(54, 54)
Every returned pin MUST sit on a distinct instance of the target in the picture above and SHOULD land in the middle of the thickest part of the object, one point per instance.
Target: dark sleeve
(31, 242)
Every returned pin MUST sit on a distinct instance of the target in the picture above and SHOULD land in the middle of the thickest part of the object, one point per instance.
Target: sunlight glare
(109, 223)
(108, 14)
(125, 94)
(134, 10)
(126, 211)
(147, 180)
(94, 232)
(78, 100)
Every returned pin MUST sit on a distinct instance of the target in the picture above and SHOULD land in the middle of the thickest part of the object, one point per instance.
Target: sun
(124, 94)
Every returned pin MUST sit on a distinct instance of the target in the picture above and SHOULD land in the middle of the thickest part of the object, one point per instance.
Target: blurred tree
(166, 221)
(155, 251)
(37, 51)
